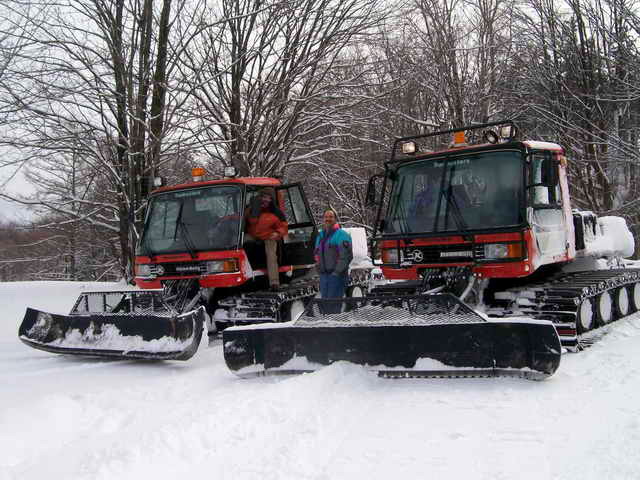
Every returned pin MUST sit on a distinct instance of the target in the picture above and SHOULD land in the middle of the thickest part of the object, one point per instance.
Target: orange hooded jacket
(265, 224)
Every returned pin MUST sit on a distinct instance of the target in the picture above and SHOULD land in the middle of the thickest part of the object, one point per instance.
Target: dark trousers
(332, 286)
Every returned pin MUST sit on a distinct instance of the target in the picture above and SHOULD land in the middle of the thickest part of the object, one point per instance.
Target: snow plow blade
(127, 324)
(410, 336)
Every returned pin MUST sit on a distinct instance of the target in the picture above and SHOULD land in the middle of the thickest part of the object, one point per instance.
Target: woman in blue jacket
(333, 256)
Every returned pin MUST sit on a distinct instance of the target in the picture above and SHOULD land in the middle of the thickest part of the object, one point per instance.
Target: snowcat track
(402, 337)
(494, 373)
(150, 334)
(267, 306)
(560, 298)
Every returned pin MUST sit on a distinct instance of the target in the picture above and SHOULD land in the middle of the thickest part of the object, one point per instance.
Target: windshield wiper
(457, 213)
(450, 201)
(186, 237)
(188, 241)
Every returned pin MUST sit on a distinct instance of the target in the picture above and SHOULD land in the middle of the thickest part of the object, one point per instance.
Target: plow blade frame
(129, 335)
(475, 349)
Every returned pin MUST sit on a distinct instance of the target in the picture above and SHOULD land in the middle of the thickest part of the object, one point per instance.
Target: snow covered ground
(73, 418)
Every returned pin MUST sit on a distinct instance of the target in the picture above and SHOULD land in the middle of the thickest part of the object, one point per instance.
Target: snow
(360, 248)
(109, 337)
(539, 145)
(621, 240)
(613, 239)
(78, 418)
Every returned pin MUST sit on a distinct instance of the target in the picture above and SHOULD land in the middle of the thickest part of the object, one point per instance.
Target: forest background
(99, 96)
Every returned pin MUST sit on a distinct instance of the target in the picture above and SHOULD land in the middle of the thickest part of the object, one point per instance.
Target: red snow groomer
(489, 268)
(194, 268)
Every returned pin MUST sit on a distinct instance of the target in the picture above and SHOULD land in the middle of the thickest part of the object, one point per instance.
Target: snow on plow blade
(410, 336)
(126, 324)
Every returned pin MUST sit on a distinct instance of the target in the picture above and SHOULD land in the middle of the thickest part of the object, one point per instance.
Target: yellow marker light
(227, 265)
(515, 250)
(198, 173)
(230, 265)
(459, 139)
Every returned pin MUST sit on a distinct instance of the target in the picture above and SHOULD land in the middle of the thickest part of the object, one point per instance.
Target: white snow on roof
(537, 144)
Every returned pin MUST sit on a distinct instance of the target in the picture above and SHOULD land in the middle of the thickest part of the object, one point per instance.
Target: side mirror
(549, 172)
(372, 198)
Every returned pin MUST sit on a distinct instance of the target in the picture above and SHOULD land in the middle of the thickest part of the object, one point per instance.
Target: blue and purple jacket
(333, 251)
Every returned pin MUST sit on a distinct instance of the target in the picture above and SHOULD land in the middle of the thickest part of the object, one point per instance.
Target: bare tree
(259, 71)
(578, 73)
(458, 50)
(97, 80)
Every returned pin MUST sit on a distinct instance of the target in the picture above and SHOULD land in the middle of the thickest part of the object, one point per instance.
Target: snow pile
(108, 337)
(614, 239)
(360, 250)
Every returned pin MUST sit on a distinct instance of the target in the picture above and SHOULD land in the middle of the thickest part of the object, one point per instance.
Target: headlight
(227, 265)
(390, 255)
(494, 251)
(143, 270)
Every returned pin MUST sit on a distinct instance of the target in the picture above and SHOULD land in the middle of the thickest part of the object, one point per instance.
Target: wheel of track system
(355, 292)
(621, 301)
(586, 318)
(292, 310)
(635, 296)
(604, 308)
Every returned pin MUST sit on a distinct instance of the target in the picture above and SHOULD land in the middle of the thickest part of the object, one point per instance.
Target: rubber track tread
(558, 298)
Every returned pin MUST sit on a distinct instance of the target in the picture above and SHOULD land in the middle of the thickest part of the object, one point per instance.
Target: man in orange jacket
(266, 222)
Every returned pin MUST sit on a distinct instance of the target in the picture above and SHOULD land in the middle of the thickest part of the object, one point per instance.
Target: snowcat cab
(196, 232)
(475, 211)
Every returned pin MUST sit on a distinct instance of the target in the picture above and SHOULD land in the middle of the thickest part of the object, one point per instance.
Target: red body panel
(512, 269)
(255, 181)
(214, 280)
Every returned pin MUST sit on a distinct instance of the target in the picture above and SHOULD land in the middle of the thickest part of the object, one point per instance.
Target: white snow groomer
(195, 269)
(470, 220)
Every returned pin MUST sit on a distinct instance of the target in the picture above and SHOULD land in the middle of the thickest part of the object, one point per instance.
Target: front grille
(465, 252)
(181, 269)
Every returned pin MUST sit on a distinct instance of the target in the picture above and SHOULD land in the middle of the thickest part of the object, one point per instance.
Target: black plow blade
(130, 325)
(410, 336)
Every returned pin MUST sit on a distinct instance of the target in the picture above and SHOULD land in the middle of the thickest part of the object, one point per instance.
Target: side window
(251, 193)
(301, 225)
(295, 208)
(542, 195)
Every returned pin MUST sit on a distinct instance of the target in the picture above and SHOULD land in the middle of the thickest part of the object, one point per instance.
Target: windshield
(467, 192)
(193, 220)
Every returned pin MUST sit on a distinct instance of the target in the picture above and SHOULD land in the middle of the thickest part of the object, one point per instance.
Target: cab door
(546, 215)
(300, 243)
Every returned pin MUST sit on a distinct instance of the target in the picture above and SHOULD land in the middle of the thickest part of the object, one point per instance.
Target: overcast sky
(10, 210)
